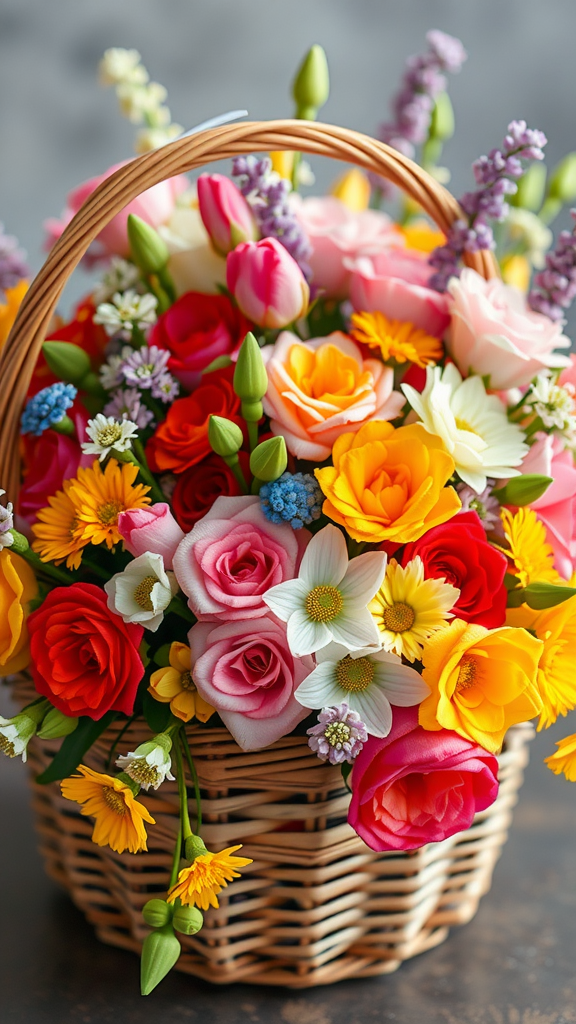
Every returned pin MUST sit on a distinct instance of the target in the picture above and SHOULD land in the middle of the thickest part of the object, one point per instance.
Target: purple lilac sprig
(13, 266)
(554, 287)
(339, 735)
(126, 404)
(495, 176)
(145, 368)
(268, 194)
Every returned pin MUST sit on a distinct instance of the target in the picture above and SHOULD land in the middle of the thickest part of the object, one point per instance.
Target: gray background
(515, 963)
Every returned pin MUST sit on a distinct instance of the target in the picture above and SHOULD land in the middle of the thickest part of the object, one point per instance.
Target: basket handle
(112, 195)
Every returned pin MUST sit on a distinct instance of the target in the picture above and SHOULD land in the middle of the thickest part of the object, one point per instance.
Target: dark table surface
(515, 963)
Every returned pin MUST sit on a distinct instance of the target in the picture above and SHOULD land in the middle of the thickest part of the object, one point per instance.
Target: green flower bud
(57, 724)
(311, 86)
(64, 426)
(442, 121)
(194, 847)
(269, 459)
(156, 913)
(160, 952)
(225, 437)
(187, 920)
(71, 364)
(531, 188)
(563, 180)
(539, 595)
(20, 544)
(148, 250)
(250, 377)
(523, 490)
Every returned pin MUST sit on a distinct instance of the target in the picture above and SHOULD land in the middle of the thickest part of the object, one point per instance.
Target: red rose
(196, 330)
(51, 459)
(197, 488)
(84, 658)
(181, 440)
(459, 551)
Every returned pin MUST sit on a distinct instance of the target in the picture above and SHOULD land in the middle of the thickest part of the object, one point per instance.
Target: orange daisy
(58, 534)
(396, 339)
(101, 495)
(119, 816)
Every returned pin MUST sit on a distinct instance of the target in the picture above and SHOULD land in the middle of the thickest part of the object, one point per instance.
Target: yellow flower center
(399, 617)
(186, 681)
(466, 674)
(6, 746)
(109, 434)
(113, 800)
(108, 512)
(464, 425)
(354, 675)
(337, 734)
(142, 593)
(324, 603)
(142, 772)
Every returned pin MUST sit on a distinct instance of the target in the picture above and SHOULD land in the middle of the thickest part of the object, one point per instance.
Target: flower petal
(325, 559)
(402, 685)
(320, 689)
(305, 636)
(364, 576)
(286, 598)
(356, 629)
(374, 710)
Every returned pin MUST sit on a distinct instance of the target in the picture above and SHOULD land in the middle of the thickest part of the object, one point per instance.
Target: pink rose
(234, 555)
(397, 284)
(557, 506)
(267, 283)
(415, 787)
(225, 213)
(568, 375)
(151, 529)
(246, 671)
(322, 388)
(154, 206)
(337, 233)
(493, 332)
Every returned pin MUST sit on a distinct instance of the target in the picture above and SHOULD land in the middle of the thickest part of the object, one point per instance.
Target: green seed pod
(250, 377)
(194, 847)
(531, 188)
(160, 952)
(523, 490)
(67, 361)
(442, 121)
(57, 724)
(187, 920)
(148, 250)
(269, 460)
(225, 437)
(311, 86)
(156, 913)
(563, 180)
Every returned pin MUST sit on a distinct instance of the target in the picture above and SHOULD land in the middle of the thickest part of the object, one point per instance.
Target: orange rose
(387, 484)
(17, 588)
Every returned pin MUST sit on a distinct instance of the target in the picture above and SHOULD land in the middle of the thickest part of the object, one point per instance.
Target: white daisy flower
(150, 764)
(107, 434)
(143, 591)
(15, 735)
(368, 681)
(126, 311)
(119, 276)
(473, 425)
(329, 599)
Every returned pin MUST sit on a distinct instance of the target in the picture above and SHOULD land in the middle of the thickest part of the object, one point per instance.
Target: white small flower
(143, 103)
(111, 375)
(119, 276)
(368, 681)
(150, 764)
(106, 433)
(473, 425)
(554, 404)
(126, 311)
(15, 734)
(143, 591)
(148, 139)
(120, 65)
(328, 601)
(6, 523)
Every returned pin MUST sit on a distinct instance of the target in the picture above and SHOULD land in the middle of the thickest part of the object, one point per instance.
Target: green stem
(184, 816)
(114, 746)
(138, 458)
(252, 434)
(61, 575)
(295, 170)
(176, 860)
(195, 782)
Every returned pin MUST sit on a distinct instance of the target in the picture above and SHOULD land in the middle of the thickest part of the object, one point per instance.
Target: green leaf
(158, 716)
(161, 657)
(540, 595)
(510, 581)
(74, 747)
(346, 769)
(523, 490)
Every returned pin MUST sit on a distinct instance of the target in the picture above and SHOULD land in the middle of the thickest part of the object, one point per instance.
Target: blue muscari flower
(295, 498)
(47, 407)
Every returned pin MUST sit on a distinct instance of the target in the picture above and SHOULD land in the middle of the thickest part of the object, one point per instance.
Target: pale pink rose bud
(267, 283)
(225, 213)
(151, 529)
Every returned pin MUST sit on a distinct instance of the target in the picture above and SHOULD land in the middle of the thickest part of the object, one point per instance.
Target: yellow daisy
(563, 761)
(199, 884)
(119, 816)
(395, 339)
(533, 558)
(100, 497)
(556, 679)
(408, 608)
(58, 535)
(175, 685)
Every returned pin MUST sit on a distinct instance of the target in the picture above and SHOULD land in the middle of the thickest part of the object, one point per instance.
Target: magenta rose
(397, 283)
(246, 671)
(415, 787)
(150, 529)
(233, 556)
(557, 506)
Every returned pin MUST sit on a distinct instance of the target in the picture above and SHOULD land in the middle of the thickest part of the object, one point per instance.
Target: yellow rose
(482, 681)
(556, 677)
(17, 587)
(389, 484)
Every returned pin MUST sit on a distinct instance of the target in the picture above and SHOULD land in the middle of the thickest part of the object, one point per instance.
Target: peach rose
(493, 332)
(387, 484)
(397, 284)
(321, 388)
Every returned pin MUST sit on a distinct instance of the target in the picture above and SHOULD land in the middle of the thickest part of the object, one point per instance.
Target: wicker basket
(316, 905)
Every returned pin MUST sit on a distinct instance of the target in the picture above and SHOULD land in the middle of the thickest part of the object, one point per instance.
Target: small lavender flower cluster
(268, 194)
(13, 266)
(294, 498)
(423, 80)
(485, 504)
(47, 407)
(339, 735)
(126, 404)
(555, 287)
(494, 175)
(143, 369)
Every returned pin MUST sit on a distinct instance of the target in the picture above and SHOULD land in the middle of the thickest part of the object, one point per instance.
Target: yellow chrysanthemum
(174, 685)
(556, 678)
(533, 558)
(563, 761)
(57, 532)
(408, 609)
(119, 816)
(9, 309)
(395, 339)
(199, 884)
(100, 496)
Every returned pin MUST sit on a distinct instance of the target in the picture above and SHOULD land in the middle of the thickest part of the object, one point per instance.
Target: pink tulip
(396, 283)
(227, 216)
(267, 283)
(151, 529)
(154, 206)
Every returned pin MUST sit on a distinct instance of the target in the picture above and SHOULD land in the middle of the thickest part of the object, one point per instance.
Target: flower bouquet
(294, 542)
